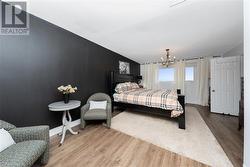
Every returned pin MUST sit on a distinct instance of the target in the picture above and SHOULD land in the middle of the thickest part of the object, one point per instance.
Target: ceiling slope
(141, 30)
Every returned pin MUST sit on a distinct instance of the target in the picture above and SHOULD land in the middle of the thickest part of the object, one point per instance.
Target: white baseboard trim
(58, 129)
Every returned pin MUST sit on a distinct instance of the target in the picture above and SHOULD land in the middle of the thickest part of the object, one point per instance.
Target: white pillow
(98, 105)
(6, 140)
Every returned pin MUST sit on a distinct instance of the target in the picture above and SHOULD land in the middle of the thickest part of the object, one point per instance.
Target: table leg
(66, 126)
(63, 135)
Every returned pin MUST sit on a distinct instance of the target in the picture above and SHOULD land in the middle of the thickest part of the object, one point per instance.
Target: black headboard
(116, 78)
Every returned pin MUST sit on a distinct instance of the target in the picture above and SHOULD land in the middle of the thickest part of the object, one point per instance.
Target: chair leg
(83, 124)
(108, 123)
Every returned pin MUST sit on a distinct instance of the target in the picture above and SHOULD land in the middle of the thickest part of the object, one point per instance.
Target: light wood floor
(225, 130)
(97, 146)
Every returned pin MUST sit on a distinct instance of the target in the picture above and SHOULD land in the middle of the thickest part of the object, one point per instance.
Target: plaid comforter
(161, 98)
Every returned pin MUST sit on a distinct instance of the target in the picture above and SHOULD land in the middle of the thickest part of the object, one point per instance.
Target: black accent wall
(33, 66)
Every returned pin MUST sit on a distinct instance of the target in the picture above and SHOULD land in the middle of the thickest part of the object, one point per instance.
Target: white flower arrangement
(67, 89)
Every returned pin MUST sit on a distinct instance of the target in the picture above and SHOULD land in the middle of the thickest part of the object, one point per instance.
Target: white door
(225, 85)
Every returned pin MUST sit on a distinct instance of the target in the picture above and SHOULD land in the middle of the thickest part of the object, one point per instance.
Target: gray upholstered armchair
(32, 143)
(97, 114)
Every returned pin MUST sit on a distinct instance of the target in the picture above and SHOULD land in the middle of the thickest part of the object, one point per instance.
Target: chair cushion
(95, 114)
(22, 154)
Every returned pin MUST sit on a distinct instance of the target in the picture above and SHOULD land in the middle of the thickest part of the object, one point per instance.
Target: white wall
(235, 51)
(247, 83)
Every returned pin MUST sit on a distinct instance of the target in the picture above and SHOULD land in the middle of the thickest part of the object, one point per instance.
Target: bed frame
(116, 78)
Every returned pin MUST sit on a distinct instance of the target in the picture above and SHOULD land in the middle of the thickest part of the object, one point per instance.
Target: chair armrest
(33, 133)
(30, 133)
(109, 110)
(84, 109)
(7, 126)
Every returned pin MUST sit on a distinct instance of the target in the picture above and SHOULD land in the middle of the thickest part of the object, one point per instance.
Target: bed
(166, 103)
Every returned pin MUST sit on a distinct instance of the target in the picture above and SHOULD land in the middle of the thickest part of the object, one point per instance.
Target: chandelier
(168, 60)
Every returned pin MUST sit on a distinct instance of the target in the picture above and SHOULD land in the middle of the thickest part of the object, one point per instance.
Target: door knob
(213, 90)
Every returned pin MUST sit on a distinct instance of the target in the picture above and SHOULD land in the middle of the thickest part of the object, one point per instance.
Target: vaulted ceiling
(142, 29)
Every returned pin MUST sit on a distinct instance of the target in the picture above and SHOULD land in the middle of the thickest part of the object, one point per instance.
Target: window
(189, 74)
(166, 74)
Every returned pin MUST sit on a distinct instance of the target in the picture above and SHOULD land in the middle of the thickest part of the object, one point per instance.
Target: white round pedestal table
(65, 107)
